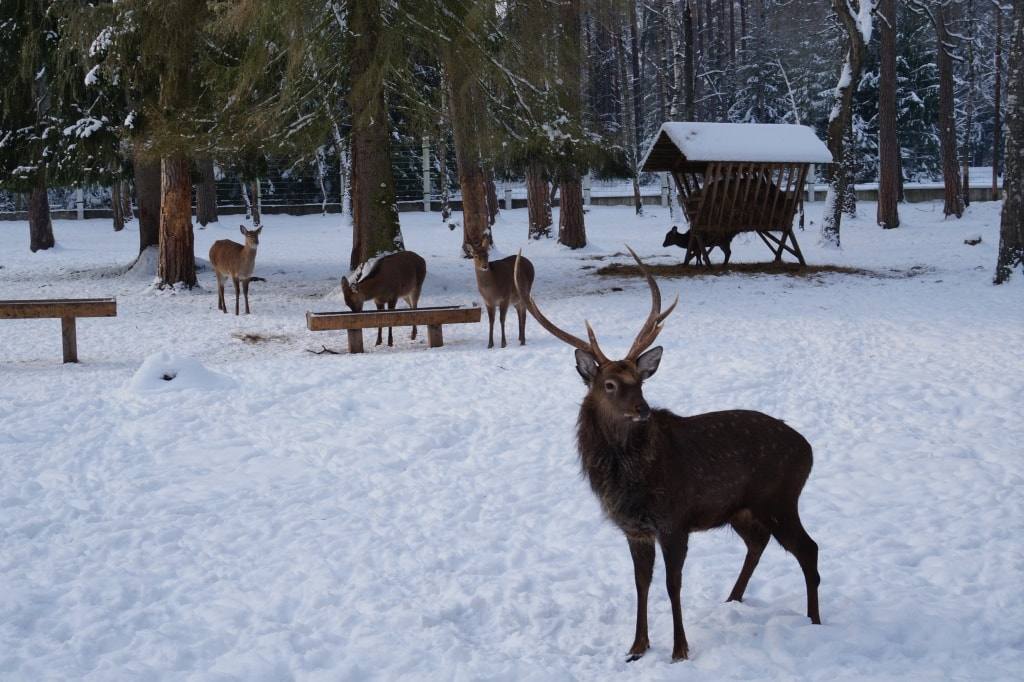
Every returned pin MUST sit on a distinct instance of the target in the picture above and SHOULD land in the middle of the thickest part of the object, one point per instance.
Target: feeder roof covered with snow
(679, 144)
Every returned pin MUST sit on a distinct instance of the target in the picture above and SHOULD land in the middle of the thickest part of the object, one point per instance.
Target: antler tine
(531, 305)
(595, 349)
(652, 325)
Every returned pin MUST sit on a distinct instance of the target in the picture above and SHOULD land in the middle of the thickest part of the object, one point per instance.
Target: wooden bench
(67, 309)
(355, 323)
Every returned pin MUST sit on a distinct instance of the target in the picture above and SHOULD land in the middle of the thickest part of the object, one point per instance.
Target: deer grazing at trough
(494, 280)
(661, 476)
(399, 275)
(722, 240)
(234, 260)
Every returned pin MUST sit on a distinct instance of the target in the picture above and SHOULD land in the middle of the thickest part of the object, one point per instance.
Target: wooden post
(67, 335)
(355, 340)
(435, 339)
(79, 205)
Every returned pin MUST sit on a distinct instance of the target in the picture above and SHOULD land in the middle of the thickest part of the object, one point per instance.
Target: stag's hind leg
(234, 280)
(380, 330)
(794, 539)
(756, 536)
(391, 306)
(413, 300)
(245, 291)
(221, 305)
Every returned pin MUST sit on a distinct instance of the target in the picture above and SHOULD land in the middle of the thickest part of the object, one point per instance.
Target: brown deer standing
(661, 476)
(399, 275)
(231, 259)
(722, 240)
(494, 280)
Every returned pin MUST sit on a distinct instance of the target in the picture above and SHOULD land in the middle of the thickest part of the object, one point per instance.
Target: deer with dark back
(494, 280)
(237, 261)
(722, 240)
(661, 476)
(398, 275)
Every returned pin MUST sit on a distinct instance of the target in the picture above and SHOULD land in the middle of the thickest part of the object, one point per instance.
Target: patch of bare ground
(256, 337)
(812, 272)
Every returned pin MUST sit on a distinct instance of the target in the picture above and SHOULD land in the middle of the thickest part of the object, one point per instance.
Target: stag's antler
(652, 326)
(573, 341)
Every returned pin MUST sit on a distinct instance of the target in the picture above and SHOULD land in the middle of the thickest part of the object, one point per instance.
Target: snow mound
(144, 267)
(166, 372)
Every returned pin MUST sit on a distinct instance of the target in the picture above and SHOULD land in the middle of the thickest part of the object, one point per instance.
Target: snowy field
(418, 514)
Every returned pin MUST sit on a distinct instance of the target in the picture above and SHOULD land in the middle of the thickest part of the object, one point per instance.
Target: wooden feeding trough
(738, 177)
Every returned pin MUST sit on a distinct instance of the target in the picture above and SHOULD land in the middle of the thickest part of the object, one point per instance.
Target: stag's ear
(674, 230)
(345, 286)
(648, 363)
(258, 230)
(586, 365)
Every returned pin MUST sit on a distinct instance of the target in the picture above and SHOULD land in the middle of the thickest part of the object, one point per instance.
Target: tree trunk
(206, 194)
(40, 227)
(969, 109)
(465, 106)
(628, 114)
(888, 143)
(492, 198)
(126, 200)
(690, 68)
(257, 203)
(839, 123)
(177, 261)
(375, 225)
(538, 201)
(997, 125)
(147, 189)
(571, 229)
(954, 202)
(116, 205)
(1011, 231)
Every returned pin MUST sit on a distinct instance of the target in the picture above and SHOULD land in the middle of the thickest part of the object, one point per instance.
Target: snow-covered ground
(271, 514)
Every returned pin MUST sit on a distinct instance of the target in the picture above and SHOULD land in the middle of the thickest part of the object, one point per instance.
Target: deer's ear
(258, 230)
(674, 230)
(586, 365)
(345, 285)
(648, 363)
(241, 228)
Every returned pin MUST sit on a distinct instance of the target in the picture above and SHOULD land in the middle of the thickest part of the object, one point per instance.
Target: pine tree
(1011, 230)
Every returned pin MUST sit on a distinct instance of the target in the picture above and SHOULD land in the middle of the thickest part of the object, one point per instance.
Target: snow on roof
(756, 142)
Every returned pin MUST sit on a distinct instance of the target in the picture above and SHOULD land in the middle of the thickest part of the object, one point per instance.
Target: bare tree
(888, 144)
(1011, 231)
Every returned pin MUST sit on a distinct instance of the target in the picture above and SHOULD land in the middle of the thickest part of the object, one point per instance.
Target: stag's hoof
(680, 654)
(491, 344)
(637, 651)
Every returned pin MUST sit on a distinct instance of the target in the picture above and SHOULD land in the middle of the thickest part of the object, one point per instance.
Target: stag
(661, 476)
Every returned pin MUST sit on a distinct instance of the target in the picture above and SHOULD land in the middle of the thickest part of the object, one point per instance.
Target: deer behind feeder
(660, 476)
(399, 275)
(494, 280)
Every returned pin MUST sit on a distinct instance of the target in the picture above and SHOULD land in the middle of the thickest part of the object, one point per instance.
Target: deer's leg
(412, 304)
(245, 290)
(502, 312)
(727, 250)
(673, 551)
(234, 280)
(521, 312)
(490, 322)
(220, 292)
(794, 539)
(643, 568)
(756, 536)
(391, 306)
(380, 330)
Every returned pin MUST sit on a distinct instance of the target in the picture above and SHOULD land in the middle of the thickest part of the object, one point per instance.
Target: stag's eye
(610, 386)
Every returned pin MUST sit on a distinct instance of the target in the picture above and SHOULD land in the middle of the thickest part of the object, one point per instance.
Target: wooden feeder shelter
(738, 177)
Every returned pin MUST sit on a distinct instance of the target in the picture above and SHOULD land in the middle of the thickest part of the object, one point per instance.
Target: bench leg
(67, 335)
(355, 340)
(434, 337)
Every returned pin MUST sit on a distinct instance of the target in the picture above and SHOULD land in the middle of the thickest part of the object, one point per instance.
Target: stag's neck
(613, 451)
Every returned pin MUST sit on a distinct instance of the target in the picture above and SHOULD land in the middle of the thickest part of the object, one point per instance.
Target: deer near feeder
(661, 476)
(389, 278)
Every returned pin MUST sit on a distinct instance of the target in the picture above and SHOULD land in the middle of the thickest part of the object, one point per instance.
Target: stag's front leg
(643, 568)
(235, 281)
(380, 330)
(521, 313)
(673, 550)
(490, 322)
(245, 291)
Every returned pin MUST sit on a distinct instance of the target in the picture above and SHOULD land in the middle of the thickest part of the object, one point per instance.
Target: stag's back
(394, 276)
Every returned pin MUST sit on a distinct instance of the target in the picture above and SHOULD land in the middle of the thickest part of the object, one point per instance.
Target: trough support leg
(355, 340)
(434, 337)
(67, 335)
